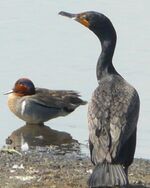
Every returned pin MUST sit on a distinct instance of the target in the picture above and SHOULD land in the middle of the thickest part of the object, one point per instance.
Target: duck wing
(60, 99)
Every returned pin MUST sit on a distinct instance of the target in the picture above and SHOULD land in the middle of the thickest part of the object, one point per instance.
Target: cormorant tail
(107, 175)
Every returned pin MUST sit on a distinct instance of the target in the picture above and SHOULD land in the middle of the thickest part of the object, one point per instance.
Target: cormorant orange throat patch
(83, 21)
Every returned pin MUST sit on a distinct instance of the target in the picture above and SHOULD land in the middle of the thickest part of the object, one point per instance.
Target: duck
(37, 105)
(113, 110)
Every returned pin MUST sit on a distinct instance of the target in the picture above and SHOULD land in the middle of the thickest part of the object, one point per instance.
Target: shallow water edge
(57, 166)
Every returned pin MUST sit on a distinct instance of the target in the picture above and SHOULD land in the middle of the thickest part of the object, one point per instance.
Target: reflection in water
(35, 135)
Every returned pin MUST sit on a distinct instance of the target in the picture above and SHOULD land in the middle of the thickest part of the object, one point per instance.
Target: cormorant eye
(84, 16)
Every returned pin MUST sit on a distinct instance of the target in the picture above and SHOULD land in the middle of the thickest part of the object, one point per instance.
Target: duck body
(43, 104)
(112, 112)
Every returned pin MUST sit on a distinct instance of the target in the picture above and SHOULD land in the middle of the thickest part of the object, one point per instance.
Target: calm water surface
(58, 53)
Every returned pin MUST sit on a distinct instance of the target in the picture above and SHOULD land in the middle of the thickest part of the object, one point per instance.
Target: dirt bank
(55, 167)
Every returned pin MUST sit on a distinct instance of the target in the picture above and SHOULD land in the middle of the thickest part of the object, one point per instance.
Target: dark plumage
(113, 111)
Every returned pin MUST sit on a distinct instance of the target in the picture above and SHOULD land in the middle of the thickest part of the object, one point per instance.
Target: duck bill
(78, 17)
(11, 91)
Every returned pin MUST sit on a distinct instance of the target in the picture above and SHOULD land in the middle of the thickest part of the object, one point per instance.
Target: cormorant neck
(104, 64)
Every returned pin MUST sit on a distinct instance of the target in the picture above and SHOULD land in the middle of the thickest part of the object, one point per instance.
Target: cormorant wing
(111, 123)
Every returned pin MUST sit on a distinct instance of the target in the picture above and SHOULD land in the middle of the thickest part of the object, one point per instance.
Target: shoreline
(58, 166)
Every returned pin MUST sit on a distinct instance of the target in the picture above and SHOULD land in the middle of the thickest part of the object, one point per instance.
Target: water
(58, 53)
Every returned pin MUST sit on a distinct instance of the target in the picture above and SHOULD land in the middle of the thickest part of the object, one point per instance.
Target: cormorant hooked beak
(81, 18)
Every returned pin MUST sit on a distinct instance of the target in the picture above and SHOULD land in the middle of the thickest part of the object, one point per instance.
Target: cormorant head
(95, 21)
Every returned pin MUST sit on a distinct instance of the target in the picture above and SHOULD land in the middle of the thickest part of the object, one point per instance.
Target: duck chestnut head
(22, 87)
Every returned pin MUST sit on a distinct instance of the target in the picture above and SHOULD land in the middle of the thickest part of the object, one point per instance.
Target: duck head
(22, 87)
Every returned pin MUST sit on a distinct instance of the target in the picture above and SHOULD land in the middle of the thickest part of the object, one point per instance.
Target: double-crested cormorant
(37, 105)
(113, 111)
